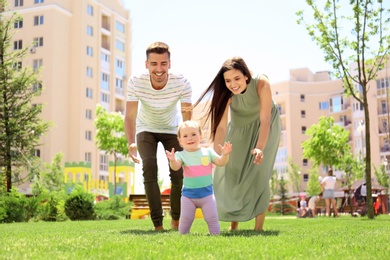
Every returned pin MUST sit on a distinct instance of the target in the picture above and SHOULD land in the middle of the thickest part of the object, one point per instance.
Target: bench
(321, 206)
(140, 206)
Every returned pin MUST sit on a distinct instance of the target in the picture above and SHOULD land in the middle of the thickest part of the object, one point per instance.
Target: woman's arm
(220, 134)
(265, 96)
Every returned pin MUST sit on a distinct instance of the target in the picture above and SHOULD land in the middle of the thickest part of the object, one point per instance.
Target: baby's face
(190, 138)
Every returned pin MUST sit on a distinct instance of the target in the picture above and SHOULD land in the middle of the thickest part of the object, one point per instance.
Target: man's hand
(133, 153)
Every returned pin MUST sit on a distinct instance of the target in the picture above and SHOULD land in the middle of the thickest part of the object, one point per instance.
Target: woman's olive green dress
(242, 187)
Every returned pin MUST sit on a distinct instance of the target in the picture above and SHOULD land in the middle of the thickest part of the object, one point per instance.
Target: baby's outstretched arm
(224, 158)
(173, 162)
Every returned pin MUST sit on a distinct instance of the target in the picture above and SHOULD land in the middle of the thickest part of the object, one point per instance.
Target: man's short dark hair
(159, 48)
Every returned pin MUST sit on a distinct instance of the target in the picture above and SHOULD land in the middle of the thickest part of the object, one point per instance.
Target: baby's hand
(170, 155)
(226, 148)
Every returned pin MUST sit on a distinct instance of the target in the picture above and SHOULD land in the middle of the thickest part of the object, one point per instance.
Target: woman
(242, 186)
(328, 184)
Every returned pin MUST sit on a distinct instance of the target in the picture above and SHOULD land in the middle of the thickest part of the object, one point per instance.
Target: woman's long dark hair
(220, 93)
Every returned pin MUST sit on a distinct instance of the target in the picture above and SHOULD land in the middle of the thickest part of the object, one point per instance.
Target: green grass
(283, 238)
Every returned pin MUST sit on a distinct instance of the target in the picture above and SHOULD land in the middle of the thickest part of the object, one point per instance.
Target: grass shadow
(250, 233)
(146, 232)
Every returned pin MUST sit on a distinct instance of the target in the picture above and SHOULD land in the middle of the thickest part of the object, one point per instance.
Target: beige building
(307, 96)
(83, 49)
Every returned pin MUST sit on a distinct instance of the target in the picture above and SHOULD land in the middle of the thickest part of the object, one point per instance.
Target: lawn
(283, 238)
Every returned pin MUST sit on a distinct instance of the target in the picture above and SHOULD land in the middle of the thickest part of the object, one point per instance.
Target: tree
(383, 178)
(327, 144)
(20, 124)
(110, 135)
(295, 175)
(355, 35)
(314, 184)
(49, 177)
(353, 170)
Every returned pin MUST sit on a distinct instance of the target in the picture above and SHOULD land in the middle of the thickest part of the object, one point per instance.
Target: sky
(203, 34)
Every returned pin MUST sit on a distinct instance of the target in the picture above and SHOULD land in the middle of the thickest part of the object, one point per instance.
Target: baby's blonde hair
(189, 123)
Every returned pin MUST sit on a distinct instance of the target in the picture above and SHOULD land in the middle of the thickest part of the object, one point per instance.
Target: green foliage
(21, 124)
(112, 209)
(313, 185)
(382, 177)
(110, 132)
(14, 207)
(282, 205)
(52, 207)
(80, 205)
(327, 144)
(50, 177)
(295, 175)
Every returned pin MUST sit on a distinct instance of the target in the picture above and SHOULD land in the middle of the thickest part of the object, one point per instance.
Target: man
(313, 203)
(156, 121)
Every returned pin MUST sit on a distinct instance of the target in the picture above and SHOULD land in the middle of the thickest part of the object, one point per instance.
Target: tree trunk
(370, 209)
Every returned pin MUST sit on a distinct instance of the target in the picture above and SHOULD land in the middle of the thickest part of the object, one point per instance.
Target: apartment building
(83, 49)
(307, 96)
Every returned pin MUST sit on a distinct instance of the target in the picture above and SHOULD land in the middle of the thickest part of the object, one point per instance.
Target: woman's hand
(258, 153)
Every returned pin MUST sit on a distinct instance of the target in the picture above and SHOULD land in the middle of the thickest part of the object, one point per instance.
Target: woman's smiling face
(235, 81)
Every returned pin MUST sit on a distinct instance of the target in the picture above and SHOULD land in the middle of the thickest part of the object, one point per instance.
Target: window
(39, 20)
(118, 83)
(88, 157)
(324, 105)
(90, 10)
(89, 72)
(89, 93)
(303, 113)
(119, 45)
(89, 30)
(18, 45)
(37, 86)
(105, 98)
(88, 135)
(120, 27)
(103, 164)
(37, 64)
(304, 162)
(103, 178)
(39, 1)
(37, 153)
(88, 114)
(302, 98)
(105, 57)
(38, 42)
(18, 24)
(18, 3)
(305, 177)
(89, 51)
(18, 65)
(104, 84)
(303, 129)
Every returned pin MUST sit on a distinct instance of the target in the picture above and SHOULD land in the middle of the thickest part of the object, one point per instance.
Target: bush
(52, 207)
(112, 209)
(13, 207)
(79, 205)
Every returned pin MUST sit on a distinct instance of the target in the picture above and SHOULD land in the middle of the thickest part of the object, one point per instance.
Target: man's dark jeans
(147, 144)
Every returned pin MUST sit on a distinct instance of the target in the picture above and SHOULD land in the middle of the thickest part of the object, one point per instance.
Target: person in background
(156, 120)
(313, 203)
(303, 206)
(198, 183)
(242, 187)
(328, 184)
